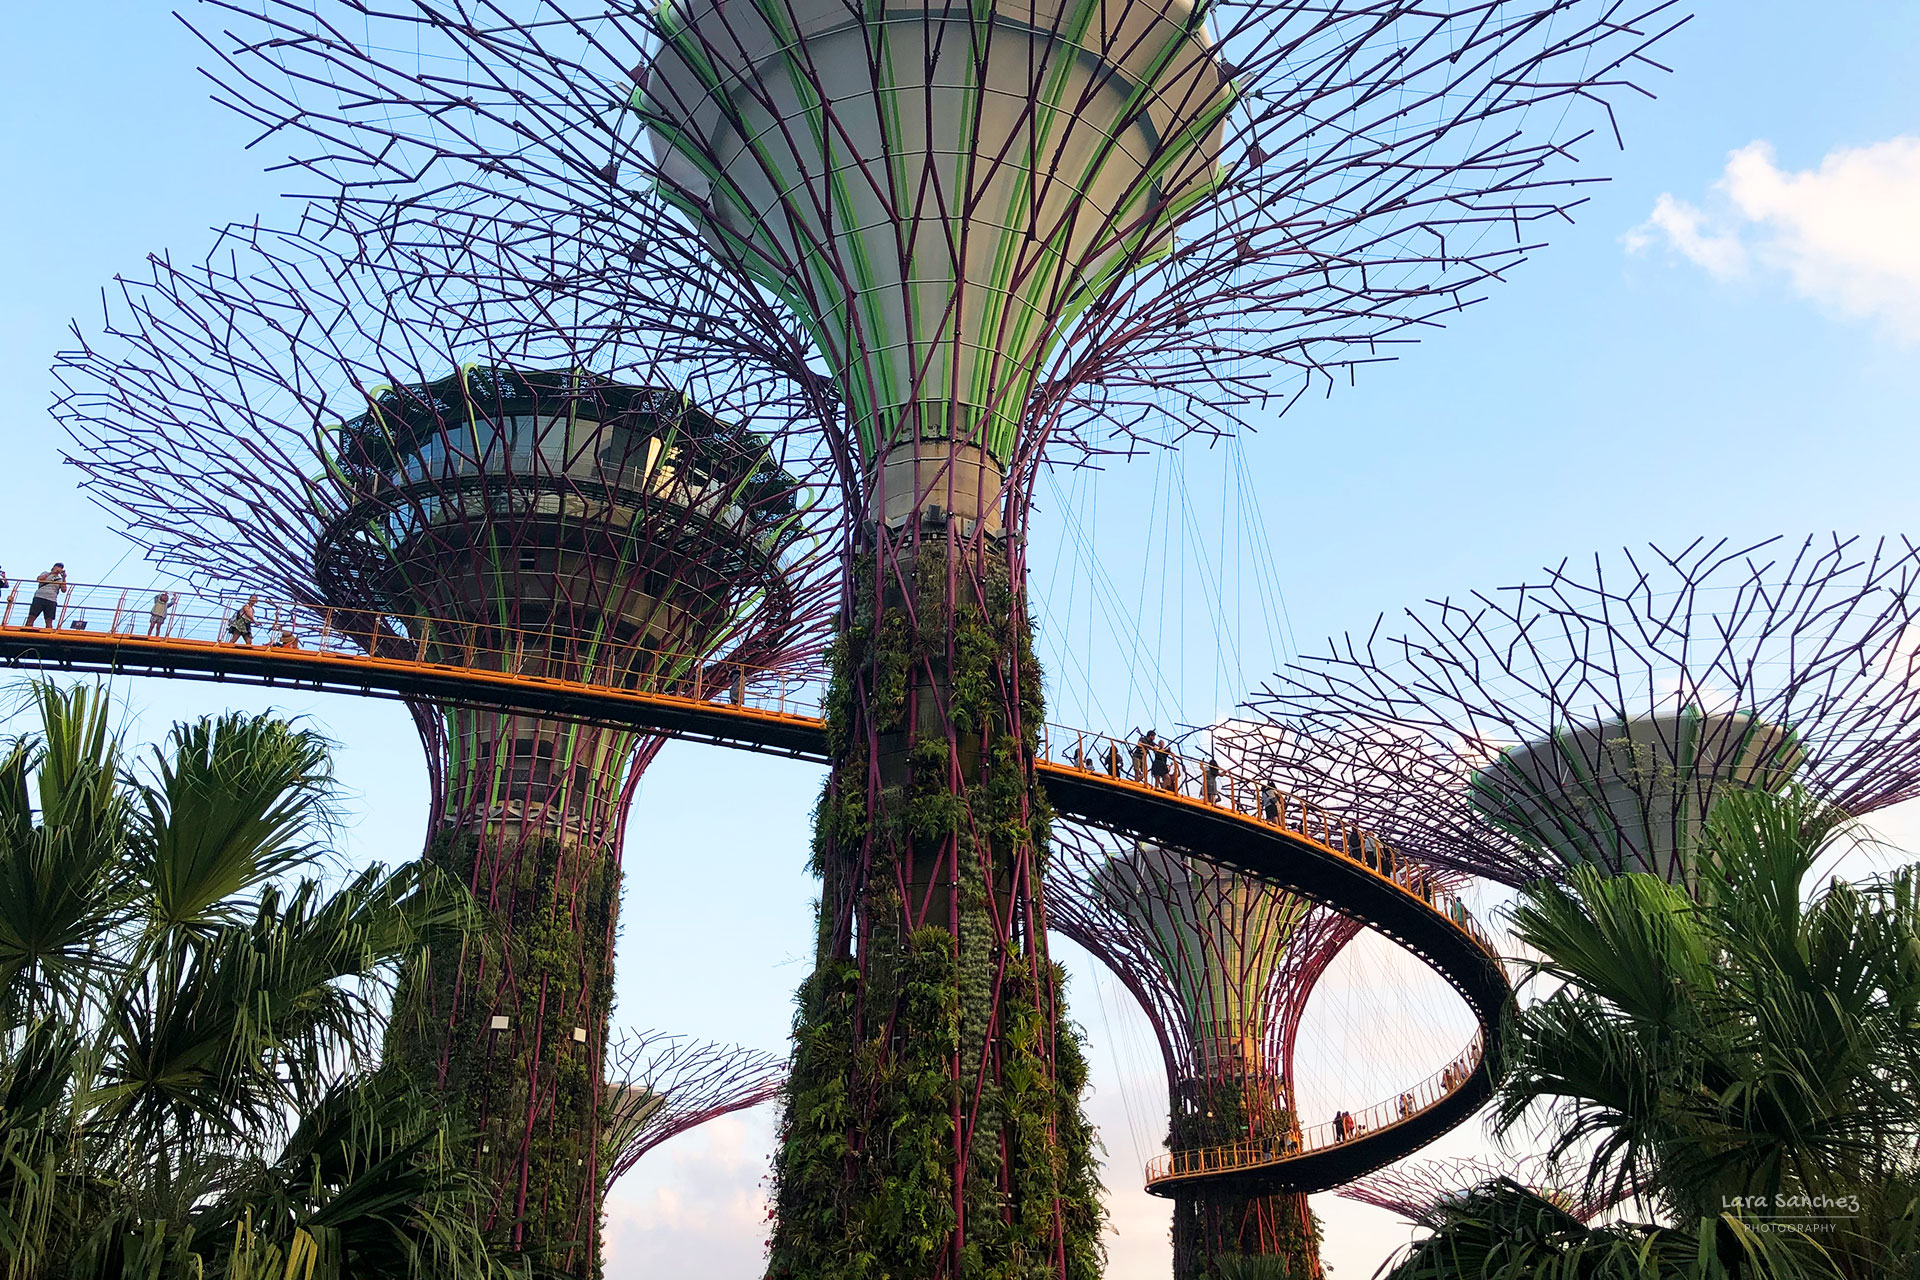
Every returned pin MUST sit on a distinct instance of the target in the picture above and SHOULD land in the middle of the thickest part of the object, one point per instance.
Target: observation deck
(1240, 823)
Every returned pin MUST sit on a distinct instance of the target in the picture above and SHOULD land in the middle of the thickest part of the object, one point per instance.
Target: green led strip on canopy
(1632, 793)
(936, 191)
(1220, 938)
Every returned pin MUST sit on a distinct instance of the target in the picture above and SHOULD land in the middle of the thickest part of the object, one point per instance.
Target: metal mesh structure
(665, 1085)
(1223, 966)
(1229, 204)
(1591, 716)
(1419, 1190)
(973, 239)
(455, 474)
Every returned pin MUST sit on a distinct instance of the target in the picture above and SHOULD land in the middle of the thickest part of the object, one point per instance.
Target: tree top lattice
(1375, 166)
(1592, 712)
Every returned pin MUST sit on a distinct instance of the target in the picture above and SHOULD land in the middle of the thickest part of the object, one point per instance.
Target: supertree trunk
(933, 1124)
(1223, 968)
(1209, 1225)
(1214, 1222)
(511, 1029)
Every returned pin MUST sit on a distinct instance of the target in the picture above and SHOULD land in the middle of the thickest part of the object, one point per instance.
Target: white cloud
(697, 1206)
(1686, 228)
(1845, 234)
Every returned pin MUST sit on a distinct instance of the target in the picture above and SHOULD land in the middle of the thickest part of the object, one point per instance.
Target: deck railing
(1346, 1127)
(1160, 768)
(538, 653)
(552, 654)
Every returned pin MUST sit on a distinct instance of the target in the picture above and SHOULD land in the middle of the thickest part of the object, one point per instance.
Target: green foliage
(1220, 1232)
(903, 1030)
(1502, 1231)
(184, 1082)
(547, 926)
(1743, 1058)
(1217, 1229)
(1257, 1266)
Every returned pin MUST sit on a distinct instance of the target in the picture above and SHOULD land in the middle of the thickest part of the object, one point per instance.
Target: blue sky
(1719, 346)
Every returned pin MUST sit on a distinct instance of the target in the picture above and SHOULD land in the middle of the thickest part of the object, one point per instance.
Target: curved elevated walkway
(1225, 820)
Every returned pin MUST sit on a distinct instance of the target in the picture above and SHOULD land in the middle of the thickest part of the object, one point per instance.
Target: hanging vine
(936, 1085)
(512, 1028)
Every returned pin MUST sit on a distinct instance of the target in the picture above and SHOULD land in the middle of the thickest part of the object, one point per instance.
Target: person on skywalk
(240, 625)
(46, 594)
(1162, 766)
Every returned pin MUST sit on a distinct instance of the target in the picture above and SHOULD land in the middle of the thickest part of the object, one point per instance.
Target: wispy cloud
(1845, 234)
(697, 1206)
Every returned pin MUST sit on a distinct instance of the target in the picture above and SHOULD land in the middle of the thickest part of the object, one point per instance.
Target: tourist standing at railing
(1113, 759)
(240, 625)
(157, 612)
(1142, 751)
(46, 594)
(1162, 767)
(1269, 802)
(1210, 781)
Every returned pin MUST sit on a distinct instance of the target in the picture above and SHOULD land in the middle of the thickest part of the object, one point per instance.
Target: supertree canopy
(662, 1086)
(1000, 228)
(1592, 716)
(1423, 1190)
(1223, 966)
(452, 476)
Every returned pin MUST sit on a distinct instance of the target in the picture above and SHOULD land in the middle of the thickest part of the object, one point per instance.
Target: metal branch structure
(1421, 1190)
(975, 239)
(448, 472)
(1177, 214)
(662, 1086)
(1591, 716)
(1222, 965)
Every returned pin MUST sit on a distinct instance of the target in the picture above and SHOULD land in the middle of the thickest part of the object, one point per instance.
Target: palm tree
(187, 1074)
(1743, 1060)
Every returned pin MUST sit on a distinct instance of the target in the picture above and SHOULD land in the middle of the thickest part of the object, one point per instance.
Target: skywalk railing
(1244, 1157)
(553, 653)
(1159, 767)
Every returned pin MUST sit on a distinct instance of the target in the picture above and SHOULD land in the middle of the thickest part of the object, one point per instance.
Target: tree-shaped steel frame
(457, 473)
(666, 1085)
(1380, 163)
(1089, 223)
(1655, 677)
(1420, 1190)
(1222, 966)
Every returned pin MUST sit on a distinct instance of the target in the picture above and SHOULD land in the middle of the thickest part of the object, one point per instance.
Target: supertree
(1421, 1190)
(1007, 233)
(448, 471)
(663, 1086)
(1591, 717)
(1222, 965)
